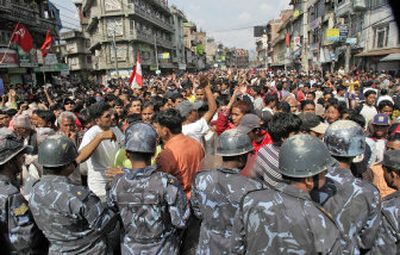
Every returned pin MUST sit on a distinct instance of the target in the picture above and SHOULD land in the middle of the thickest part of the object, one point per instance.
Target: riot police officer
(72, 217)
(285, 219)
(216, 194)
(152, 204)
(356, 205)
(18, 231)
(388, 240)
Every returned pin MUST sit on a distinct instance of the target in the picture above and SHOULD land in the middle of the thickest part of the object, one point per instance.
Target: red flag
(46, 44)
(287, 40)
(22, 37)
(136, 76)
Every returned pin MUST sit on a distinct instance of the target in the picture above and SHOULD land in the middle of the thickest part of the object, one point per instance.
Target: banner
(332, 34)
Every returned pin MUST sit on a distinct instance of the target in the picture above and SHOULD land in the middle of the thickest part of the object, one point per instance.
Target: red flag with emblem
(22, 37)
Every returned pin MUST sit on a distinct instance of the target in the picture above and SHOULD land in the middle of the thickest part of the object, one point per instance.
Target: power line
(65, 8)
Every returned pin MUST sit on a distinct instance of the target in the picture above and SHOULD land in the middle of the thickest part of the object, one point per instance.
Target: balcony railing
(145, 15)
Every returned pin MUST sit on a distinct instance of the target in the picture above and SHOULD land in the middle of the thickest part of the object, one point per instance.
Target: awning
(381, 52)
(391, 57)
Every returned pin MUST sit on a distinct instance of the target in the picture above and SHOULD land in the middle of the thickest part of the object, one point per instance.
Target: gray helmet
(345, 138)
(304, 156)
(10, 146)
(233, 143)
(391, 160)
(141, 137)
(57, 151)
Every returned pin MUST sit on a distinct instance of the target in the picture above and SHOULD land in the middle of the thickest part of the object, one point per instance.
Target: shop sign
(9, 58)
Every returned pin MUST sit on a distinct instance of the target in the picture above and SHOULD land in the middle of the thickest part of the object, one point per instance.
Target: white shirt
(196, 130)
(101, 159)
(368, 112)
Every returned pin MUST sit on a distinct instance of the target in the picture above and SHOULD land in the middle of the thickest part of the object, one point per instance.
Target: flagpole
(44, 74)
(9, 43)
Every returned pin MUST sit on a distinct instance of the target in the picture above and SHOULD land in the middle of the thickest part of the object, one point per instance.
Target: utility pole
(115, 54)
(348, 47)
(155, 51)
(305, 37)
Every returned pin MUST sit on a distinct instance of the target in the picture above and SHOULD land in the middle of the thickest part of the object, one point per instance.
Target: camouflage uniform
(71, 217)
(153, 207)
(18, 232)
(215, 199)
(283, 222)
(356, 209)
(388, 240)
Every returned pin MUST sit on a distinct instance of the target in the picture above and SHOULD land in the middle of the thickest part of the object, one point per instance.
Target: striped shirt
(267, 165)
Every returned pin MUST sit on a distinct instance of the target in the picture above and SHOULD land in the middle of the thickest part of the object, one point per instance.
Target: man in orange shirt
(182, 158)
(182, 155)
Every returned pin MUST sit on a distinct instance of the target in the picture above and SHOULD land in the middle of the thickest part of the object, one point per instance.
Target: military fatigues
(18, 232)
(216, 196)
(388, 240)
(283, 222)
(153, 207)
(356, 209)
(72, 218)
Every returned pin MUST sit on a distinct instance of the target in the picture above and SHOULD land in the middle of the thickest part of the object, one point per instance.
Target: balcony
(149, 38)
(135, 10)
(26, 15)
(344, 9)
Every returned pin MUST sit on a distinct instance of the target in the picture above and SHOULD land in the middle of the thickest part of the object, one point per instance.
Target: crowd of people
(236, 161)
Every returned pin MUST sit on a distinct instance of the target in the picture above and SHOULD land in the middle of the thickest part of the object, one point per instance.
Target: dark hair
(99, 108)
(385, 103)
(139, 156)
(369, 92)
(170, 119)
(110, 97)
(222, 100)
(357, 118)
(312, 93)
(85, 116)
(340, 87)
(47, 116)
(339, 106)
(271, 97)
(308, 120)
(283, 106)
(306, 102)
(281, 125)
(134, 118)
(118, 102)
(243, 106)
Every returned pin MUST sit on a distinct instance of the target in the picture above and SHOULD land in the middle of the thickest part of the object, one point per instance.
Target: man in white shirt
(99, 146)
(192, 125)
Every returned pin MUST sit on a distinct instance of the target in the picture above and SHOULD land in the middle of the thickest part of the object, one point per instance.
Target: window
(381, 36)
(131, 26)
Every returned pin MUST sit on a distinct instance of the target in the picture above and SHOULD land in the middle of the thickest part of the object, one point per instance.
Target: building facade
(326, 35)
(119, 29)
(38, 16)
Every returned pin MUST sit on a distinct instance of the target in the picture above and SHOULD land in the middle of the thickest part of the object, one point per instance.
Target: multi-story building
(179, 20)
(238, 58)
(381, 38)
(78, 57)
(119, 29)
(211, 51)
(38, 16)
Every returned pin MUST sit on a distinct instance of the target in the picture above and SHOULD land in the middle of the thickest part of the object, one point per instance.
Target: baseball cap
(381, 120)
(249, 122)
(391, 159)
(187, 107)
